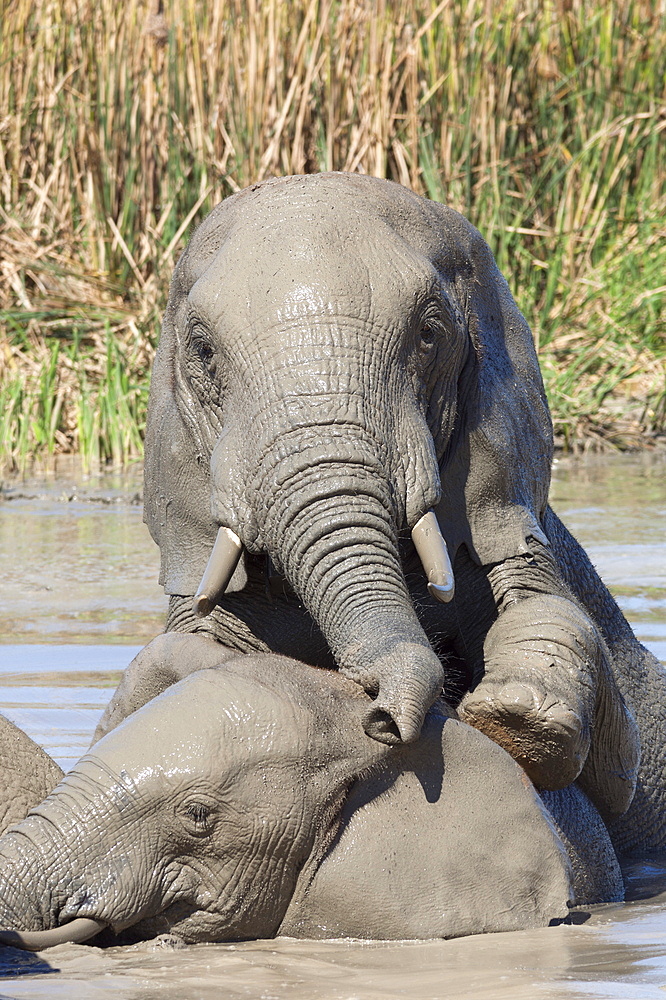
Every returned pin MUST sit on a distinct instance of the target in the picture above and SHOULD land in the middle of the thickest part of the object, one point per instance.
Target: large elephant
(348, 459)
(246, 801)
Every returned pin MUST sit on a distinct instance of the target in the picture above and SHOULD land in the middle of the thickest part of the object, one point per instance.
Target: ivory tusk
(431, 547)
(74, 932)
(218, 572)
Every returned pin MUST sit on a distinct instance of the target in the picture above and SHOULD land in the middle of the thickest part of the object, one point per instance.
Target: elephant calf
(246, 801)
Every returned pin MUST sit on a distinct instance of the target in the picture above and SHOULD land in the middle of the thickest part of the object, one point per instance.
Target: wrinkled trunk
(329, 524)
(28, 856)
(55, 868)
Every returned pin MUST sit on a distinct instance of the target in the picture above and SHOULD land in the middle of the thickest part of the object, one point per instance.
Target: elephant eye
(202, 363)
(205, 353)
(430, 327)
(198, 816)
(428, 334)
(198, 812)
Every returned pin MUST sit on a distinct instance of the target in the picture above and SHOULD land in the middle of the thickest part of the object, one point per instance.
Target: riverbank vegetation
(121, 125)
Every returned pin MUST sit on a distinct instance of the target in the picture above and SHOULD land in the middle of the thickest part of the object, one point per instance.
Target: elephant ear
(496, 470)
(177, 489)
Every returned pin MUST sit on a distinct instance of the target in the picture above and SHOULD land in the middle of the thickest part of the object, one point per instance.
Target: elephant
(29, 774)
(347, 462)
(245, 800)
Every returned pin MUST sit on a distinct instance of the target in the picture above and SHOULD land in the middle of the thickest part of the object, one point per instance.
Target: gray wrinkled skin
(246, 801)
(339, 356)
(28, 774)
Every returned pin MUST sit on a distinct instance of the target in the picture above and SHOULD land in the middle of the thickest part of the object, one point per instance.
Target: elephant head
(246, 801)
(340, 359)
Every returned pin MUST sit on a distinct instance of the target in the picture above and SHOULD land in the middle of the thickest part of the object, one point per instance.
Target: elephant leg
(548, 697)
(166, 660)
(536, 698)
(610, 773)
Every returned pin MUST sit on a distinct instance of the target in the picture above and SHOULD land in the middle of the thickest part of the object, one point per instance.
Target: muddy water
(78, 597)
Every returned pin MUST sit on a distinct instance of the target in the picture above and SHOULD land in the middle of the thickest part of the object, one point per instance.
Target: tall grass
(121, 125)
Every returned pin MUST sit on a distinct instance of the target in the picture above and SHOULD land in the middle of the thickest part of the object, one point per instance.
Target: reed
(121, 125)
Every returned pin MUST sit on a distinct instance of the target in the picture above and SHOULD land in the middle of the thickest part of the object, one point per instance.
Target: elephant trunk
(28, 903)
(75, 932)
(331, 529)
(33, 912)
(54, 881)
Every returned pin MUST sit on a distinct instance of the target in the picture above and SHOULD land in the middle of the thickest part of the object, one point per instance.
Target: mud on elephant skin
(246, 801)
(641, 678)
(346, 401)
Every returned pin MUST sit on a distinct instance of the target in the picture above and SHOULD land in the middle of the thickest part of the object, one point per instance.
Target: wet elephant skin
(246, 801)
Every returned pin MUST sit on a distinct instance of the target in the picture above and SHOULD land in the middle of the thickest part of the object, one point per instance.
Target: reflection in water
(81, 575)
(644, 877)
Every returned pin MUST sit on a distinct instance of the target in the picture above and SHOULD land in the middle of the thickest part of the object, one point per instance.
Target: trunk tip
(380, 725)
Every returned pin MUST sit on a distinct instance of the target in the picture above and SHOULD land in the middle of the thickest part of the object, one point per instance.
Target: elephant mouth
(176, 918)
(227, 550)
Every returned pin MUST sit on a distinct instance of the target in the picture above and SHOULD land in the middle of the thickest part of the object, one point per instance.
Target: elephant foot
(538, 693)
(549, 739)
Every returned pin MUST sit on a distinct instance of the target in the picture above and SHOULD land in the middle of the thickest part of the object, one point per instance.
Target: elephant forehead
(282, 271)
(208, 723)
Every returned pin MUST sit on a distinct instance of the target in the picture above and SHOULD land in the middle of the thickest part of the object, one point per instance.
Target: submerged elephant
(348, 458)
(246, 801)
